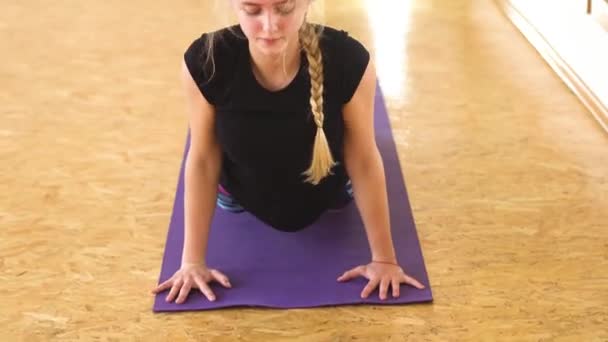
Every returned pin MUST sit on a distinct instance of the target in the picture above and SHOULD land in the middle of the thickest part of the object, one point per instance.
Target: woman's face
(270, 24)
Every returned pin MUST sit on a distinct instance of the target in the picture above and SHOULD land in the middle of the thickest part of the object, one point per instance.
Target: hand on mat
(192, 276)
(383, 274)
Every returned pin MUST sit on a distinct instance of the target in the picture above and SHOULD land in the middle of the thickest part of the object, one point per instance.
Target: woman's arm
(202, 172)
(365, 168)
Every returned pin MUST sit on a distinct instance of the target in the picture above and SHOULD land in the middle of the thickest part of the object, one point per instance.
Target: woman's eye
(285, 9)
(282, 10)
(252, 11)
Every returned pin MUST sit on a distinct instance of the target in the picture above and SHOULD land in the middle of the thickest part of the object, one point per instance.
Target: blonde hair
(322, 160)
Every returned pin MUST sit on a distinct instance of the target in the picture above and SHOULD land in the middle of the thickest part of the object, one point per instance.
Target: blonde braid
(322, 160)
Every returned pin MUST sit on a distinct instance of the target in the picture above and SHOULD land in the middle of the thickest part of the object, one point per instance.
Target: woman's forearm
(200, 194)
(369, 188)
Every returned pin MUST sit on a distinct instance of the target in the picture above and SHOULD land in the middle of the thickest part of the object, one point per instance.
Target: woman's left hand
(383, 274)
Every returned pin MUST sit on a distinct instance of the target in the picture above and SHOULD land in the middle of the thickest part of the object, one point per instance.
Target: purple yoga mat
(269, 268)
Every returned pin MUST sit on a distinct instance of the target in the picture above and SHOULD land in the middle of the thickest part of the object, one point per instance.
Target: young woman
(281, 125)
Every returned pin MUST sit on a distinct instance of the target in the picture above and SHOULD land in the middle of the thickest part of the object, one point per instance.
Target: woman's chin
(271, 49)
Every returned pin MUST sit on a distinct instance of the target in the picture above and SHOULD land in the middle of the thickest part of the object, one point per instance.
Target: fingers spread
(221, 278)
(352, 273)
(163, 286)
(409, 280)
(395, 285)
(371, 285)
(174, 289)
(348, 275)
(384, 287)
(183, 292)
(206, 290)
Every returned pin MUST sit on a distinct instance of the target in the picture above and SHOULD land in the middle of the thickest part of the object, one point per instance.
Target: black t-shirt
(267, 136)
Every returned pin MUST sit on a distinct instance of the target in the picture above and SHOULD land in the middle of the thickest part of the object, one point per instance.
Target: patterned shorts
(227, 202)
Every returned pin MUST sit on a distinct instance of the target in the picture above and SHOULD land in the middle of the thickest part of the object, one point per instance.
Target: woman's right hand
(192, 276)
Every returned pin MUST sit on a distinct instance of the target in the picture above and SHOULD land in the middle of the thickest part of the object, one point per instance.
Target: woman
(281, 123)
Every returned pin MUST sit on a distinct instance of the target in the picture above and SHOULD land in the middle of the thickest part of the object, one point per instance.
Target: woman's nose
(269, 22)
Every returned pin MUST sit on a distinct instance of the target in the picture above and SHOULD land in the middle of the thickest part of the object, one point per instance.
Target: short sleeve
(355, 58)
(195, 57)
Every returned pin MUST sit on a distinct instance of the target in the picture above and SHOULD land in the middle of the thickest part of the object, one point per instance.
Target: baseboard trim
(557, 63)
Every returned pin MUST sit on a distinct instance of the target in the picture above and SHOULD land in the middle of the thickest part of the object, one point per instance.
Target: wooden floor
(507, 173)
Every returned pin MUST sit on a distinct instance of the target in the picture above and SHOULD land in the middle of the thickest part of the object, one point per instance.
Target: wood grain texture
(507, 174)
